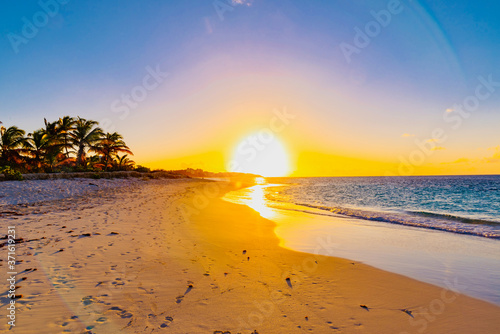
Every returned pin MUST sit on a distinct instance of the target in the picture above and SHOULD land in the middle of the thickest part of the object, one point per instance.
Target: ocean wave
(455, 218)
(429, 220)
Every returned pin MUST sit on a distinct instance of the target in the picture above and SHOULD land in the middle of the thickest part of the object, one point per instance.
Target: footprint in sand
(68, 326)
(121, 312)
(151, 291)
(118, 281)
(167, 322)
(87, 300)
(101, 320)
(125, 315)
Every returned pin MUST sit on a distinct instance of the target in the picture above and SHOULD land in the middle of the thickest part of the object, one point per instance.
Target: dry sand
(169, 256)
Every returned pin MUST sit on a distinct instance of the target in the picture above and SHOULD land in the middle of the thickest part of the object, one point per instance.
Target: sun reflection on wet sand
(257, 201)
(254, 197)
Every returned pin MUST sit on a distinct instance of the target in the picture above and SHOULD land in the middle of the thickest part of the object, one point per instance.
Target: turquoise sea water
(458, 204)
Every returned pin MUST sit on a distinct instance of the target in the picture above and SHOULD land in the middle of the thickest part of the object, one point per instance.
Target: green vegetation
(66, 145)
(11, 174)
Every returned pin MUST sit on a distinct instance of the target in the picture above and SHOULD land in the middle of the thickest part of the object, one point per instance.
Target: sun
(260, 153)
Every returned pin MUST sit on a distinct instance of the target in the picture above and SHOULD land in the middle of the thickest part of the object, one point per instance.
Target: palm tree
(11, 145)
(93, 163)
(110, 145)
(38, 145)
(84, 136)
(53, 138)
(123, 162)
(60, 143)
(64, 126)
(51, 130)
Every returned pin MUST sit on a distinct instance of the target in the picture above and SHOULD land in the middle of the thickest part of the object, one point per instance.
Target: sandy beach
(169, 256)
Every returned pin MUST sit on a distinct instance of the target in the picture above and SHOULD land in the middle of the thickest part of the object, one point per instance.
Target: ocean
(458, 204)
(443, 230)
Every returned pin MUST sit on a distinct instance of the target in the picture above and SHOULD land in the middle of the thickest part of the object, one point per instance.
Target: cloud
(432, 140)
(450, 110)
(241, 2)
(492, 159)
(458, 161)
(438, 148)
(496, 154)
(407, 135)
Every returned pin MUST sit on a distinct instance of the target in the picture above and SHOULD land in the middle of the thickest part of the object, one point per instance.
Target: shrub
(142, 169)
(11, 174)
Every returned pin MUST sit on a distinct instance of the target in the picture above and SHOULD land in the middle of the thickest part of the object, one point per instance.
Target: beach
(170, 256)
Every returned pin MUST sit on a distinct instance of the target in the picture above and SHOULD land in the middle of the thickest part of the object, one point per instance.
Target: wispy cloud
(450, 110)
(432, 140)
(496, 154)
(241, 2)
(459, 161)
(495, 158)
(438, 148)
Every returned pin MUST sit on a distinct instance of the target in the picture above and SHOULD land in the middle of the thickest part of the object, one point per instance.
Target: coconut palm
(51, 130)
(52, 135)
(53, 146)
(93, 163)
(54, 157)
(11, 145)
(109, 146)
(64, 127)
(84, 136)
(38, 146)
(123, 162)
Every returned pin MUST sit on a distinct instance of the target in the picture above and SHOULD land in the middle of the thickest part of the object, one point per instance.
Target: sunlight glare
(257, 201)
(262, 154)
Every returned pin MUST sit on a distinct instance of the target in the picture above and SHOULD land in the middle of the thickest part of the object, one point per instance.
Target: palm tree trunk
(66, 147)
(81, 152)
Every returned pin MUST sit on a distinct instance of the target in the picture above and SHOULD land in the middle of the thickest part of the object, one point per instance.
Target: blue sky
(90, 53)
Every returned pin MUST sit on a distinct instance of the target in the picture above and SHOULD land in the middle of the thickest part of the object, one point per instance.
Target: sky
(303, 88)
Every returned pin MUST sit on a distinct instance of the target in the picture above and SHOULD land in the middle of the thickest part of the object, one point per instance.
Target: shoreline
(172, 256)
(395, 294)
(427, 255)
(430, 256)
